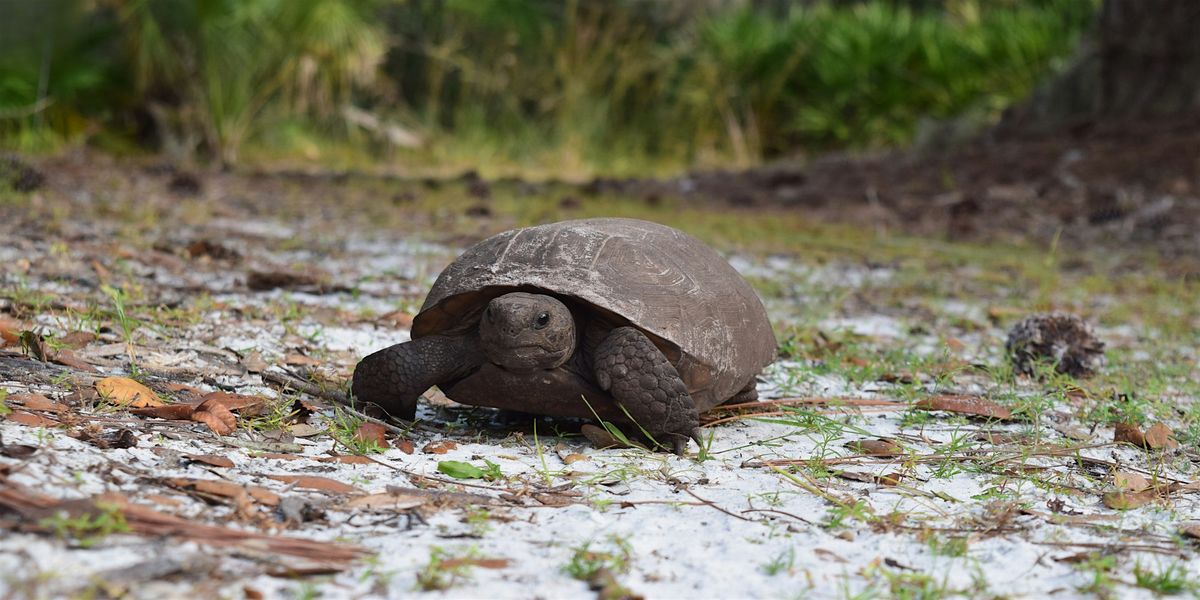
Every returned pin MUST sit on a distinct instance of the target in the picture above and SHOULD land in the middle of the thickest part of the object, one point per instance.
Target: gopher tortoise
(616, 318)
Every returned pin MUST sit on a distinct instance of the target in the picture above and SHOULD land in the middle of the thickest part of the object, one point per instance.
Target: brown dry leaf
(405, 446)
(226, 489)
(124, 391)
(441, 447)
(314, 482)
(216, 416)
(965, 405)
(247, 406)
(574, 457)
(891, 478)
(371, 432)
(37, 402)
(304, 430)
(348, 459)
(211, 460)
(1129, 433)
(10, 331)
(300, 360)
(78, 339)
(856, 476)
(1130, 482)
(175, 412)
(387, 501)
(1160, 436)
(879, 447)
(254, 362)
(1191, 530)
(29, 419)
(67, 358)
(1128, 500)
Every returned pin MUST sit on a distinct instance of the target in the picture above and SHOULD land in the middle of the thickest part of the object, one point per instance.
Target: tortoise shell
(690, 301)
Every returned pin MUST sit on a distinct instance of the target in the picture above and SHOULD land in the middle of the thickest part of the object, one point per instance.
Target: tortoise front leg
(393, 378)
(645, 383)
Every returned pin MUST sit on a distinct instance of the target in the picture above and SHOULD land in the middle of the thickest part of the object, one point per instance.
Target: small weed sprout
(88, 530)
(342, 427)
(586, 561)
(1170, 581)
(444, 571)
(128, 324)
(781, 563)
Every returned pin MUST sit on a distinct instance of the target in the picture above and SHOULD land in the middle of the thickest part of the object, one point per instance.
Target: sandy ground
(782, 504)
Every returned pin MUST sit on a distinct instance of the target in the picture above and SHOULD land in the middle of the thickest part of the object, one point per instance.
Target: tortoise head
(527, 332)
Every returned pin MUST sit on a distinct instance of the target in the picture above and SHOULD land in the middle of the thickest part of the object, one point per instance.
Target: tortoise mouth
(527, 357)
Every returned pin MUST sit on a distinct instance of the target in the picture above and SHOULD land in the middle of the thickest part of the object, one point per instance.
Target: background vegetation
(574, 87)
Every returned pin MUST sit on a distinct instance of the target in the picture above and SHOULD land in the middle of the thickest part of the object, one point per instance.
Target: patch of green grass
(783, 562)
(445, 570)
(87, 530)
(614, 554)
(343, 425)
(955, 547)
(1099, 571)
(1168, 580)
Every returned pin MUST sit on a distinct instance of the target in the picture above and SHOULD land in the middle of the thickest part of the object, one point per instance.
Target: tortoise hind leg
(746, 396)
(629, 366)
(393, 378)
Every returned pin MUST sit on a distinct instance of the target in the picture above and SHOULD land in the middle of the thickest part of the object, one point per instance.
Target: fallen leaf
(247, 406)
(254, 362)
(486, 563)
(965, 405)
(441, 447)
(211, 460)
(123, 391)
(216, 416)
(1130, 482)
(1191, 530)
(300, 360)
(108, 439)
(240, 494)
(1160, 436)
(1129, 433)
(891, 479)
(1129, 500)
(175, 412)
(78, 339)
(304, 430)
(371, 432)
(405, 446)
(29, 419)
(34, 344)
(67, 358)
(574, 458)
(17, 451)
(387, 501)
(10, 331)
(37, 402)
(269, 280)
(349, 459)
(314, 482)
(879, 447)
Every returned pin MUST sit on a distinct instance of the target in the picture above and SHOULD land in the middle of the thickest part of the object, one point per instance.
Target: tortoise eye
(542, 320)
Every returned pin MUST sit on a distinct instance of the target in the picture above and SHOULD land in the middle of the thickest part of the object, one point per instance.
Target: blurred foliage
(575, 86)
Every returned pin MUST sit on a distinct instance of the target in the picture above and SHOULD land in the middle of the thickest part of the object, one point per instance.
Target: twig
(714, 505)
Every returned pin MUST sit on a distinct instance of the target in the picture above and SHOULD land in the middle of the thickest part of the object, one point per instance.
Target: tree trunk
(1141, 61)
